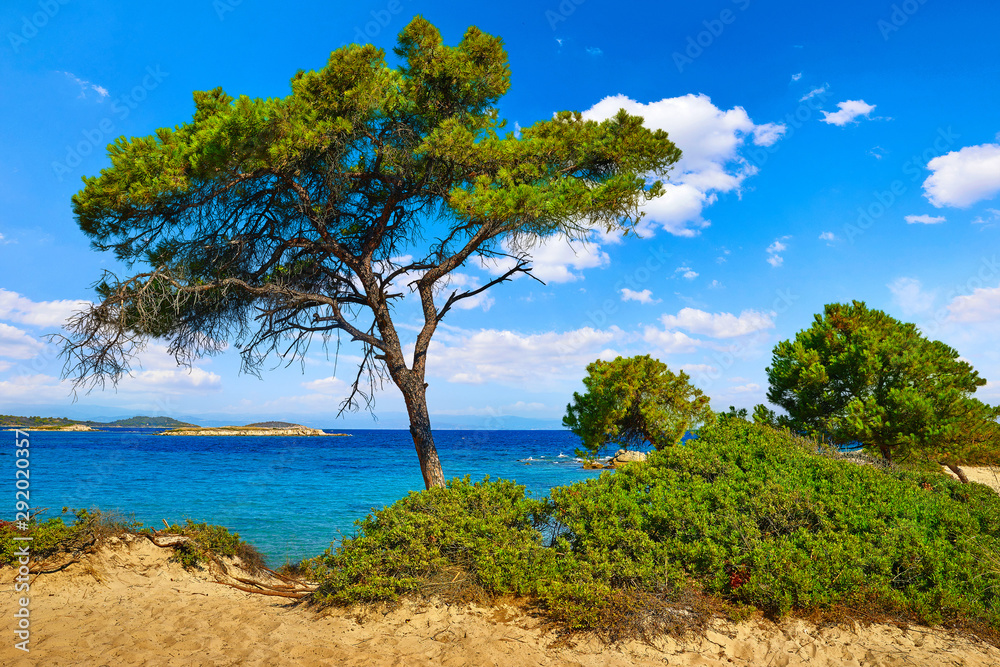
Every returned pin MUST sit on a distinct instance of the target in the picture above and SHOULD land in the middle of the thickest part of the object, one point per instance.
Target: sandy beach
(990, 476)
(129, 605)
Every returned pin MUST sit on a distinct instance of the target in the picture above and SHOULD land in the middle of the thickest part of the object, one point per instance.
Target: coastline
(304, 431)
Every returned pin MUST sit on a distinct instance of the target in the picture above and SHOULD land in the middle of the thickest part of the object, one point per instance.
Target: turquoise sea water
(290, 497)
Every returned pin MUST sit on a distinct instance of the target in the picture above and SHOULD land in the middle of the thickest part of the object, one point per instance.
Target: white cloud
(962, 178)
(849, 112)
(594, 51)
(87, 86)
(749, 388)
(178, 380)
(719, 325)
(829, 237)
(774, 257)
(813, 93)
(704, 369)
(463, 282)
(711, 141)
(923, 219)
(911, 297)
(645, 296)
(796, 77)
(670, 342)
(555, 259)
(992, 219)
(715, 284)
(768, 133)
(33, 389)
(17, 344)
(515, 359)
(330, 386)
(16, 308)
(983, 305)
(686, 272)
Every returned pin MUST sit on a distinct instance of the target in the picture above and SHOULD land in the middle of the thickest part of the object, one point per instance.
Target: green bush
(54, 535)
(209, 539)
(487, 530)
(746, 514)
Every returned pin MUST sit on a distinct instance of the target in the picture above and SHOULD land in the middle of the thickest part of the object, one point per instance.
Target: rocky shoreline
(73, 427)
(292, 430)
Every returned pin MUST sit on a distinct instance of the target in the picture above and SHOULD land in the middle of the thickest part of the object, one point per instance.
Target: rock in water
(624, 456)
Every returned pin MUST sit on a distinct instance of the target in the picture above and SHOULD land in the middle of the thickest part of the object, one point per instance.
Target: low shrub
(750, 516)
(208, 540)
(54, 536)
(489, 531)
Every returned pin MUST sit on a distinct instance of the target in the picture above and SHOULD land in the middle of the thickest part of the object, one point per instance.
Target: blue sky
(831, 152)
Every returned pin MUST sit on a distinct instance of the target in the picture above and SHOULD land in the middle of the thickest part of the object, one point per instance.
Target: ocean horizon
(291, 497)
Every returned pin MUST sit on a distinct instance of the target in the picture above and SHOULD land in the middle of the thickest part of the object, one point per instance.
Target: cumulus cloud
(829, 237)
(555, 259)
(330, 386)
(179, 380)
(923, 219)
(670, 342)
(20, 309)
(797, 76)
(686, 272)
(31, 389)
(774, 257)
(702, 369)
(517, 359)
(911, 297)
(645, 296)
(963, 177)
(849, 111)
(711, 140)
(768, 133)
(463, 282)
(719, 325)
(17, 344)
(983, 305)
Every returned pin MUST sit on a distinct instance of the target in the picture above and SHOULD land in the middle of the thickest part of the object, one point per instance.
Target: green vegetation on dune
(55, 538)
(744, 515)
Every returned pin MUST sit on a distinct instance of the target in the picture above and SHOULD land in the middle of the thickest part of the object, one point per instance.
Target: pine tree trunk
(415, 396)
(958, 472)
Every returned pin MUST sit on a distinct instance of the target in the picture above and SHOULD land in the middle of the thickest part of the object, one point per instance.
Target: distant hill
(133, 422)
(150, 422)
(14, 420)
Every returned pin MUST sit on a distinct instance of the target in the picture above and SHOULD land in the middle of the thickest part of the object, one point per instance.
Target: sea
(291, 497)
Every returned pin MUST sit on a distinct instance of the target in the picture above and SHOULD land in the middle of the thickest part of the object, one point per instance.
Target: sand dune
(983, 475)
(128, 605)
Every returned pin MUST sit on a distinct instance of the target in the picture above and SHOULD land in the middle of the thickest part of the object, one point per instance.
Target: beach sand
(984, 475)
(128, 605)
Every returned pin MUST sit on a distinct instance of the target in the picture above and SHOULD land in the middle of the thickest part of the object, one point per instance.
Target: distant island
(64, 424)
(258, 429)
